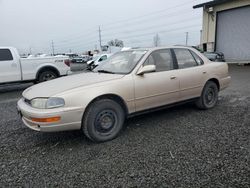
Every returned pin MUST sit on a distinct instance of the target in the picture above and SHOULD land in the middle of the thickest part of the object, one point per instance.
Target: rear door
(9, 67)
(160, 87)
(191, 73)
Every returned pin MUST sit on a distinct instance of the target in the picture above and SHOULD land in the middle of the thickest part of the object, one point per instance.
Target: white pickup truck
(16, 69)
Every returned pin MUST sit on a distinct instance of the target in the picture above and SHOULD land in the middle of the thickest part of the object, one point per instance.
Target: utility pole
(53, 48)
(200, 37)
(100, 37)
(186, 38)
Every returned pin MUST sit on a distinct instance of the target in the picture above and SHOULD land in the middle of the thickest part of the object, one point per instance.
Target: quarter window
(184, 58)
(5, 55)
(162, 60)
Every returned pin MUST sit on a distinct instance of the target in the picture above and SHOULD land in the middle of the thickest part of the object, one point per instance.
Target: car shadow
(14, 87)
(71, 138)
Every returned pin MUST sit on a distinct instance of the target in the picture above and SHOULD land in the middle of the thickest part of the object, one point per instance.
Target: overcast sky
(73, 24)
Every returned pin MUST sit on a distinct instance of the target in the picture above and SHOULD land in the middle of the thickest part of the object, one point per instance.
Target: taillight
(67, 62)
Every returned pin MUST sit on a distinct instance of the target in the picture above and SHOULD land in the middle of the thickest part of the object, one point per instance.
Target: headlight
(55, 102)
(39, 103)
(44, 103)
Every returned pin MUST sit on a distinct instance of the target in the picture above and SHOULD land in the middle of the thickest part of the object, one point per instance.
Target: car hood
(53, 87)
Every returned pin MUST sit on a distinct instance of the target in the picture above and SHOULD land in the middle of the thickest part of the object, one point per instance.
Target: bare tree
(116, 42)
(156, 40)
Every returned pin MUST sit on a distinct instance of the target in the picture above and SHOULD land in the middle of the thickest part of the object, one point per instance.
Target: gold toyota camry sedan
(128, 83)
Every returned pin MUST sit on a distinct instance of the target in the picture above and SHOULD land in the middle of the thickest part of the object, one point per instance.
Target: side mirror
(146, 69)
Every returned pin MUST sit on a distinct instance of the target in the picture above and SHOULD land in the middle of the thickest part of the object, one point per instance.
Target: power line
(162, 31)
(151, 13)
(132, 19)
(156, 26)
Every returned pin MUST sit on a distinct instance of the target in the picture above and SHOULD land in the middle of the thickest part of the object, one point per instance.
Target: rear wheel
(46, 76)
(209, 96)
(103, 120)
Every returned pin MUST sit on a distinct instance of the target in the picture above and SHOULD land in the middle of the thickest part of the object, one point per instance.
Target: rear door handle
(204, 72)
(173, 77)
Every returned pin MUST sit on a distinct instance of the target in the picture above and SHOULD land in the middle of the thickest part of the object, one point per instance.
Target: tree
(116, 42)
(156, 40)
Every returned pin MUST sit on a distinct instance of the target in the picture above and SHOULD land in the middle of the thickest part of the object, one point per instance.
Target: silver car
(128, 83)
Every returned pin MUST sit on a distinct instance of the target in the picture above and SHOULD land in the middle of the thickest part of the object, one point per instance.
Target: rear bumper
(70, 119)
(224, 82)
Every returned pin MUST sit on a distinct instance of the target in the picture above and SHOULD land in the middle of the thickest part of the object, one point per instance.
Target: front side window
(122, 62)
(184, 58)
(162, 59)
(5, 55)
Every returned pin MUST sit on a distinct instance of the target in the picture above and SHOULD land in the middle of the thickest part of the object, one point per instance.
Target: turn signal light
(46, 120)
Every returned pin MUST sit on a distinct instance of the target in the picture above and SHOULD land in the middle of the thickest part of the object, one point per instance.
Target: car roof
(158, 48)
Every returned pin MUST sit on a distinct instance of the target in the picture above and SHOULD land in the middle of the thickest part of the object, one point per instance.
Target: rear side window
(162, 59)
(5, 55)
(184, 58)
(197, 58)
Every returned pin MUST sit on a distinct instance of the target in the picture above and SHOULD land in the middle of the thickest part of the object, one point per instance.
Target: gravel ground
(177, 147)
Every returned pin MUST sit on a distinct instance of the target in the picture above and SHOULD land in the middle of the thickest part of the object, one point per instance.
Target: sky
(72, 25)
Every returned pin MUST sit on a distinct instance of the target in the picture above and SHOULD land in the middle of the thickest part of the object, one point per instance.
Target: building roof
(211, 3)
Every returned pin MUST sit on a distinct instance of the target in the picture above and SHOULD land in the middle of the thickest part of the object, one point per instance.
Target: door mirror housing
(146, 69)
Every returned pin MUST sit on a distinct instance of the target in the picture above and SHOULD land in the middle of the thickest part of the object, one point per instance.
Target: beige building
(226, 28)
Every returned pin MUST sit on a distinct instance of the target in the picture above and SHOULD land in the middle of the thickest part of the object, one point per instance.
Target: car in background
(80, 58)
(13, 68)
(128, 83)
(91, 64)
(212, 56)
(215, 56)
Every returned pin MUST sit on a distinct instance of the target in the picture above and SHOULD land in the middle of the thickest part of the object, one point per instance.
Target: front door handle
(173, 77)
(204, 72)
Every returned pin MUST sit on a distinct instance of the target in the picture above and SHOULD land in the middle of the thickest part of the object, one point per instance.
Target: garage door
(233, 34)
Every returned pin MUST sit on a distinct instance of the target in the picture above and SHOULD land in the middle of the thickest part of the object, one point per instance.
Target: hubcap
(105, 121)
(210, 95)
(48, 76)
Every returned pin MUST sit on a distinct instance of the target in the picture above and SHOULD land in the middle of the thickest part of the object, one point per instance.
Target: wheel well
(216, 82)
(48, 68)
(114, 97)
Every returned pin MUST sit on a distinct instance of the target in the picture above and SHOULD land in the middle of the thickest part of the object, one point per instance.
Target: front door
(160, 87)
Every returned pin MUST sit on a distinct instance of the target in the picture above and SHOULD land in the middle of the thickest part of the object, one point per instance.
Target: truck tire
(209, 96)
(46, 75)
(103, 120)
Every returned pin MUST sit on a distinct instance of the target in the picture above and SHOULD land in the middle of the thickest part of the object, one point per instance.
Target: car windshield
(121, 62)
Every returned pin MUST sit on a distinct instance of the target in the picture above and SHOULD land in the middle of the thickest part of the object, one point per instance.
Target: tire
(46, 76)
(209, 96)
(103, 120)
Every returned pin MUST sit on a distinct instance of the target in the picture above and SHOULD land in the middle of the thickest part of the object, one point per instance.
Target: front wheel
(209, 96)
(103, 120)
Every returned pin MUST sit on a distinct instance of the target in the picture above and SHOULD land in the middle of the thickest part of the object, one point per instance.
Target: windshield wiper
(106, 71)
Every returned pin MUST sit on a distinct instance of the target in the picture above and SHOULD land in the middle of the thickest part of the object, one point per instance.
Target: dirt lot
(177, 147)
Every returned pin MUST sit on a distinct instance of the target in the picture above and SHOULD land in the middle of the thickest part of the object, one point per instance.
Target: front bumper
(70, 118)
